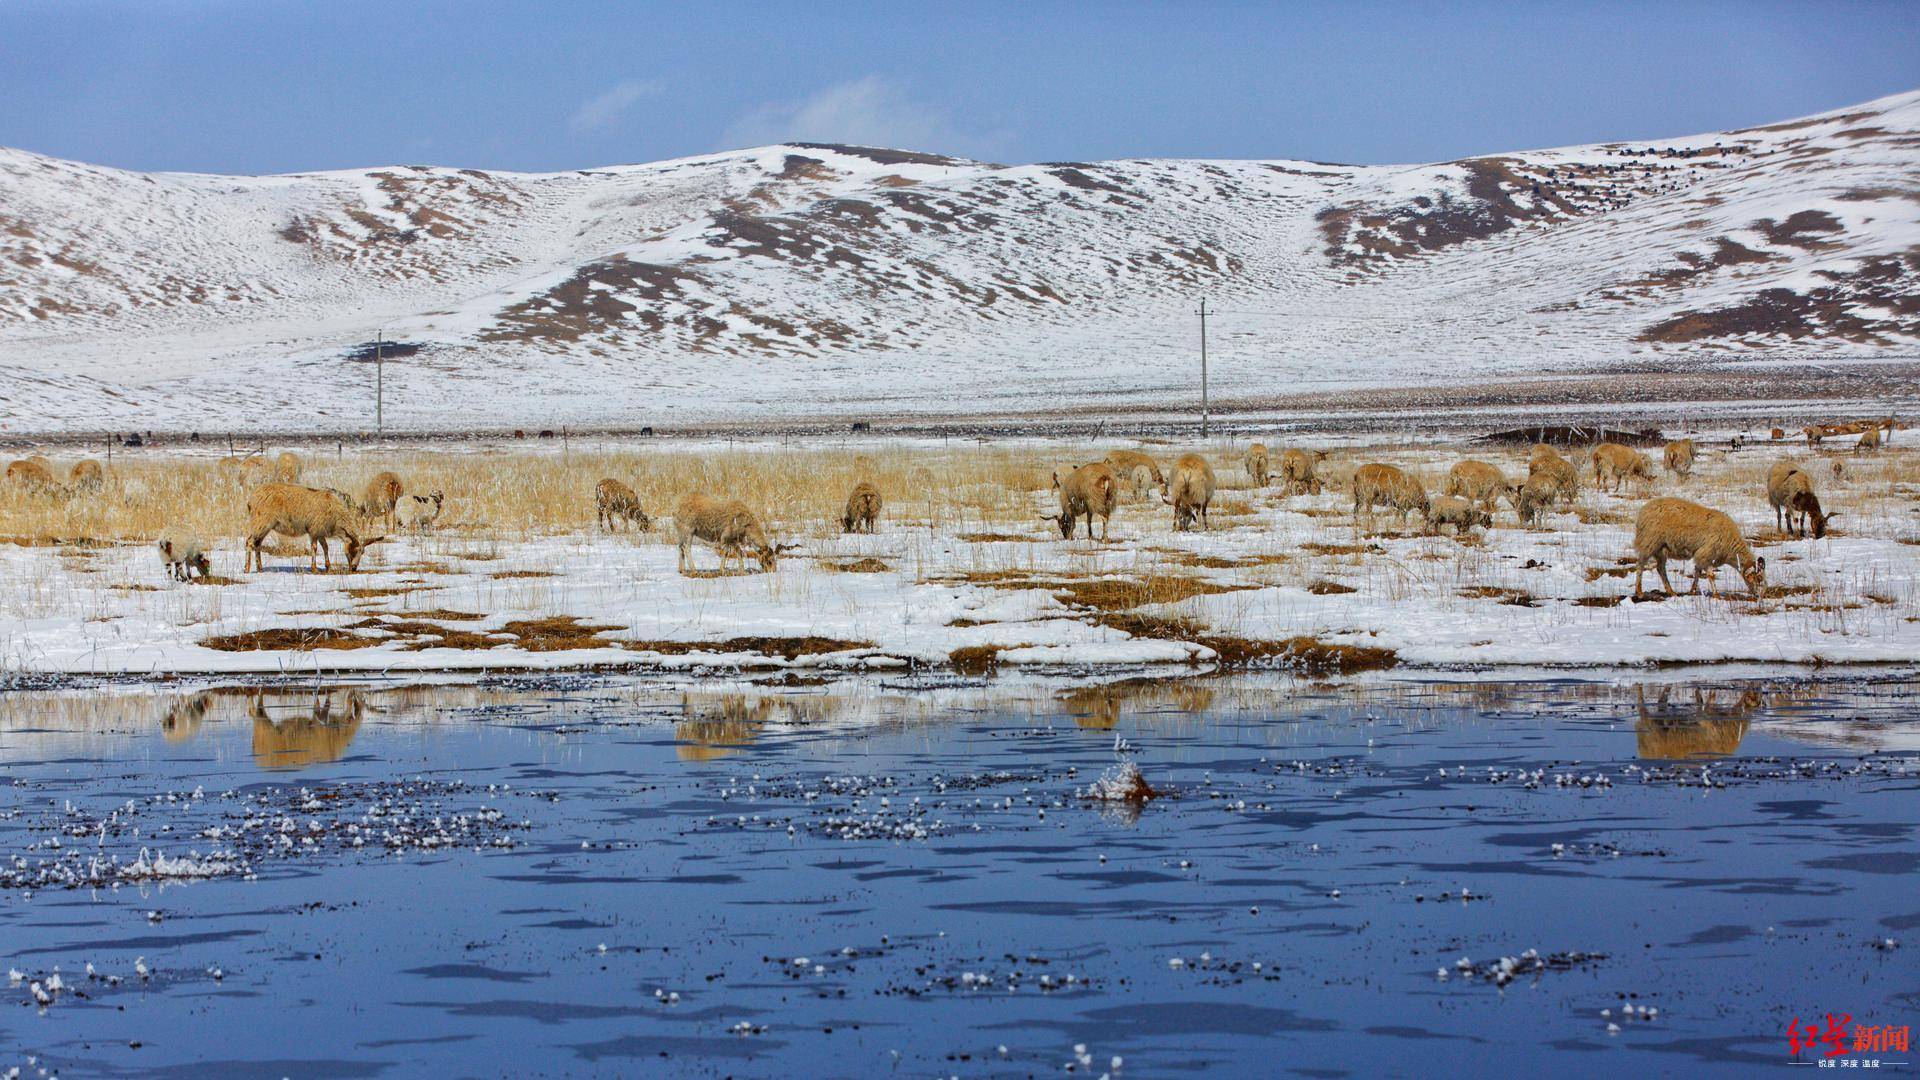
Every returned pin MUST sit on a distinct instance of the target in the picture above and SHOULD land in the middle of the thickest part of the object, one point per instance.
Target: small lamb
(183, 554)
(1457, 512)
(417, 513)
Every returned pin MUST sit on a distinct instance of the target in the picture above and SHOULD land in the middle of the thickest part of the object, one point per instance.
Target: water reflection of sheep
(1099, 707)
(322, 734)
(1704, 727)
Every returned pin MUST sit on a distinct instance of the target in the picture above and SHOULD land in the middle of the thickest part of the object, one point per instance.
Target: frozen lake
(871, 877)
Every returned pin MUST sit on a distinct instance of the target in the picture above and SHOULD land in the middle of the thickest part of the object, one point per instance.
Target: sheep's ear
(1760, 563)
(166, 548)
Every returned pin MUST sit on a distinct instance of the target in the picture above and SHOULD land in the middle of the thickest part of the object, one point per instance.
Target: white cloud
(864, 112)
(603, 110)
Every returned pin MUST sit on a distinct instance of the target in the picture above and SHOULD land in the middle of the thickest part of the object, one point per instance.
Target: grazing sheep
(286, 467)
(729, 527)
(1256, 462)
(1531, 499)
(383, 493)
(1777, 434)
(1190, 492)
(183, 554)
(252, 472)
(1384, 485)
(318, 515)
(1479, 482)
(1790, 493)
(615, 501)
(1298, 469)
(1680, 457)
(417, 513)
(1676, 528)
(1869, 440)
(1614, 462)
(86, 476)
(1138, 473)
(863, 509)
(1090, 491)
(32, 476)
(1457, 512)
(1547, 462)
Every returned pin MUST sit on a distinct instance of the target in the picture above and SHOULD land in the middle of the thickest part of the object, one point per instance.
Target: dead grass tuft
(858, 566)
(1306, 655)
(1119, 594)
(509, 575)
(1319, 548)
(557, 633)
(1324, 587)
(289, 639)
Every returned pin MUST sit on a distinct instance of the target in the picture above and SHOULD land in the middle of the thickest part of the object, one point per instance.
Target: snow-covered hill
(804, 279)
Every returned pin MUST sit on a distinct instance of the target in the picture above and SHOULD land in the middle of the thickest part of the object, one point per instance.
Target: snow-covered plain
(1272, 567)
(803, 281)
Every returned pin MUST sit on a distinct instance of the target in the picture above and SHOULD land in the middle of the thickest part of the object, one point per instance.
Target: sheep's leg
(1660, 564)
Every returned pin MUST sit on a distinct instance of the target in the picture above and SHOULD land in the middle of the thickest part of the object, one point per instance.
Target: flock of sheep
(1666, 528)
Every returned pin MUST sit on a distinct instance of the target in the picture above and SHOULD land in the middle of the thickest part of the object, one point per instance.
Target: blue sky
(275, 87)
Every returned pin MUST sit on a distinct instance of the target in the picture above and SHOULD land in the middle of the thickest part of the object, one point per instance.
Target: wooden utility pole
(379, 386)
(1205, 413)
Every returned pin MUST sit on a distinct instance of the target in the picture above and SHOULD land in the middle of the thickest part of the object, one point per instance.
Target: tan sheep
(1547, 462)
(286, 467)
(1138, 473)
(1869, 440)
(863, 509)
(1680, 457)
(86, 476)
(728, 527)
(183, 554)
(383, 493)
(1299, 470)
(1531, 499)
(1613, 463)
(318, 515)
(1460, 513)
(1478, 482)
(1256, 463)
(30, 475)
(1385, 485)
(1790, 493)
(1090, 491)
(614, 502)
(1190, 492)
(1678, 529)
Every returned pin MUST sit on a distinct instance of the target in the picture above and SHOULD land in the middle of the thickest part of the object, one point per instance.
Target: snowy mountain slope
(808, 279)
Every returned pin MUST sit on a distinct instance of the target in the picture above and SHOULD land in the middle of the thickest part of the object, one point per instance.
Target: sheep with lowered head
(1377, 485)
(1790, 493)
(1089, 491)
(1678, 529)
(1679, 455)
(1299, 470)
(1479, 482)
(183, 554)
(1547, 462)
(1614, 462)
(318, 515)
(1256, 463)
(1457, 512)
(614, 501)
(863, 509)
(1190, 492)
(729, 527)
